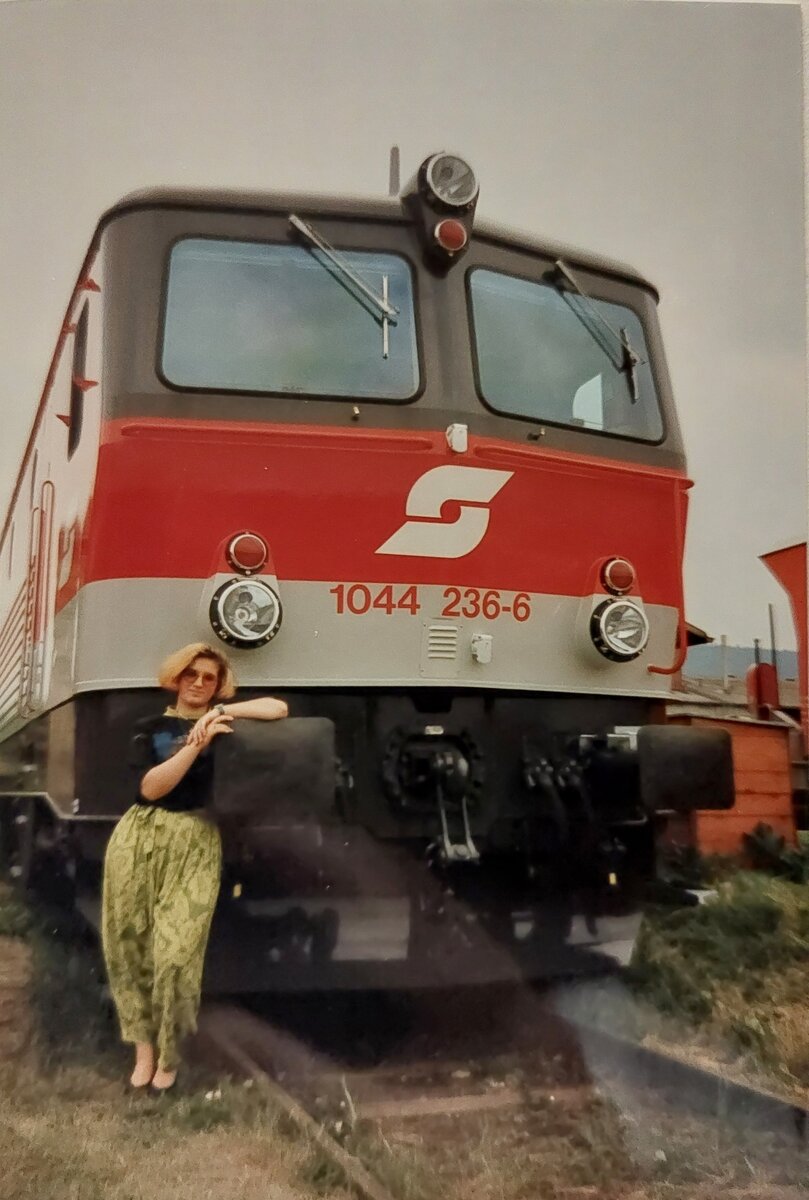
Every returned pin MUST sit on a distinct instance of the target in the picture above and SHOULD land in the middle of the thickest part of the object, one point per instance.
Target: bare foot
(162, 1080)
(144, 1065)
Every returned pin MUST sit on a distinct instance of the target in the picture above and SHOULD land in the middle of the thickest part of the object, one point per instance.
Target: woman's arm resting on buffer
(264, 708)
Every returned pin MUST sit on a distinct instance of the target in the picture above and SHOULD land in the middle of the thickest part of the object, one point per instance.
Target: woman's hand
(207, 727)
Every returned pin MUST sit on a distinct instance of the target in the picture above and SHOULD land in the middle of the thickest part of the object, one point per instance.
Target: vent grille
(442, 642)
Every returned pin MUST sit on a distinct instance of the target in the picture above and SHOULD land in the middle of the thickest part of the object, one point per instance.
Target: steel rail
(211, 1037)
(703, 1088)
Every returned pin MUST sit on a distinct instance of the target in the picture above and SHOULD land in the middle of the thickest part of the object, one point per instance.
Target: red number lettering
(453, 599)
(472, 609)
(522, 606)
(384, 599)
(491, 605)
(410, 601)
(340, 592)
(358, 598)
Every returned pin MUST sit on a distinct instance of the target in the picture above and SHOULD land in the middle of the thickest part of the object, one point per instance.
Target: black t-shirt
(159, 738)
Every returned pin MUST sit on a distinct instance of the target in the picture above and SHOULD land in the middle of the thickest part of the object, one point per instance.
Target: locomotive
(423, 476)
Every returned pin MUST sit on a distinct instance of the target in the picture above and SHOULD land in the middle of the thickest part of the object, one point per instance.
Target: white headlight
(619, 629)
(451, 180)
(245, 613)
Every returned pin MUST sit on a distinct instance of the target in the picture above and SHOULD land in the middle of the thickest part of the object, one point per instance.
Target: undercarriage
(393, 840)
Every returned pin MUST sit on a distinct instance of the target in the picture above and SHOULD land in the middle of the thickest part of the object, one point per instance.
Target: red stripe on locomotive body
(169, 493)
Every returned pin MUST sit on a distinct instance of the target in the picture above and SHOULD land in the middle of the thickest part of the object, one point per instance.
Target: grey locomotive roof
(381, 208)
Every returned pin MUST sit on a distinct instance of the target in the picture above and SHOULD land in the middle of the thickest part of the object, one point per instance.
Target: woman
(163, 861)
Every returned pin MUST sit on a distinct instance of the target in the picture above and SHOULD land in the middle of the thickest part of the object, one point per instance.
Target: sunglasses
(191, 676)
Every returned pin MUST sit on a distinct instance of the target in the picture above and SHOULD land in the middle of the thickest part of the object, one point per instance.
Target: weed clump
(16, 919)
(736, 966)
(769, 851)
(72, 1015)
(687, 867)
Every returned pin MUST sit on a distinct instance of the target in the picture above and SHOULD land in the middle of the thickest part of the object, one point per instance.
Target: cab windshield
(557, 356)
(259, 317)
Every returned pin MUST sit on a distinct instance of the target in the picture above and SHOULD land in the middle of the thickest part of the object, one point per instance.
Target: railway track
(554, 1078)
(490, 1079)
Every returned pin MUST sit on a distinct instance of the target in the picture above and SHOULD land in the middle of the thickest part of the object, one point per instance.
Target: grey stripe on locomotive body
(548, 653)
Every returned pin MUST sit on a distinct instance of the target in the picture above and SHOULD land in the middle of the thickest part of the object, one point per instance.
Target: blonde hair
(172, 668)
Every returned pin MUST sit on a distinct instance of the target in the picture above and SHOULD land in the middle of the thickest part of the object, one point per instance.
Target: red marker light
(247, 553)
(451, 235)
(618, 576)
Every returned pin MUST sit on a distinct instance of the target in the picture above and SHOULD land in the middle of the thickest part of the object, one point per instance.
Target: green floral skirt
(161, 881)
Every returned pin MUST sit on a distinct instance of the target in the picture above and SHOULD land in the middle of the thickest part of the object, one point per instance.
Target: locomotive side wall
(41, 553)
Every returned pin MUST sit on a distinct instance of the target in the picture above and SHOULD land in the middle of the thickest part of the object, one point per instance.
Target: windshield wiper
(387, 311)
(629, 360)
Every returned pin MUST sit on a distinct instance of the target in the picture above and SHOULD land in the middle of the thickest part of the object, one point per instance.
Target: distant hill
(706, 662)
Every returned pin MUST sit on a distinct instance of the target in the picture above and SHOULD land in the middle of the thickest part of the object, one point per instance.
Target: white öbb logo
(429, 537)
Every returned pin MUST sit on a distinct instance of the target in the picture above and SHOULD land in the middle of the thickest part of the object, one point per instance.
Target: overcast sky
(667, 135)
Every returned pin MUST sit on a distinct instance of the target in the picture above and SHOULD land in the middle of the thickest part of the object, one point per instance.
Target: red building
(769, 753)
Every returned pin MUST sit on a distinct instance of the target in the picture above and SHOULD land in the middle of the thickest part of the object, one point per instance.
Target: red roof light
(451, 235)
(618, 576)
(247, 553)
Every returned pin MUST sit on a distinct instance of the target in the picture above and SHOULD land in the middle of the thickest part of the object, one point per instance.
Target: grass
(727, 981)
(737, 967)
(74, 1136)
(401, 1168)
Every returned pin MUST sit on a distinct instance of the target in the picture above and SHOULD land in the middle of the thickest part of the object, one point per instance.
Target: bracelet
(220, 708)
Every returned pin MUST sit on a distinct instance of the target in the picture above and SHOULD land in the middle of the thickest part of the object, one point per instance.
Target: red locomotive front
(424, 478)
